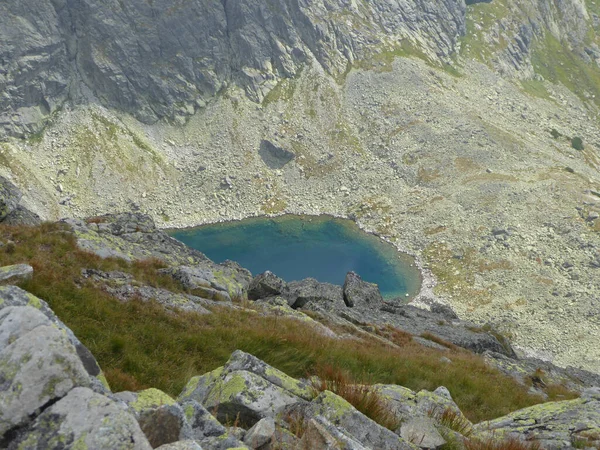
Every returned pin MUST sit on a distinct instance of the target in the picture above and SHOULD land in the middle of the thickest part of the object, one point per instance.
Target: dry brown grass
(363, 397)
(452, 420)
(505, 444)
(438, 340)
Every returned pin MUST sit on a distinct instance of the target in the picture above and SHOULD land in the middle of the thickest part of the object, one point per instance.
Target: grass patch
(536, 88)
(557, 63)
(363, 397)
(452, 420)
(140, 345)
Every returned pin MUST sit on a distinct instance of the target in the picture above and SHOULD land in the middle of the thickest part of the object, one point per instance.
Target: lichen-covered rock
(358, 292)
(265, 285)
(82, 420)
(38, 365)
(161, 419)
(240, 360)
(351, 422)
(422, 432)
(407, 404)
(198, 387)
(555, 425)
(245, 396)
(193, 277)
(261, 433)
(148, 399)
(14, 296)
(206, 429)
(17, 272)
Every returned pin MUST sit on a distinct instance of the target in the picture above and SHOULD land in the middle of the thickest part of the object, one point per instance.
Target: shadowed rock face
(170, 58)
(275, 157)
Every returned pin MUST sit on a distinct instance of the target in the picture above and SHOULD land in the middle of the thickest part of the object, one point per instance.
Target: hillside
(141, 346)
(465, 134)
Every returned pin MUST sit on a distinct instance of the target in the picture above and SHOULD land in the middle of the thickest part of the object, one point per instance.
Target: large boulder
(423, 432)
(199, 279)
(309, 292)
(246, 397)
(15, 296)
(82, 419)
(161, 419)
(361, 293)
(554, 425)
(22, 216)
(245, 388)
(261, 433)
(266, 285)
(10, 196)
(38, 365)
(274, 156)
(349, 421)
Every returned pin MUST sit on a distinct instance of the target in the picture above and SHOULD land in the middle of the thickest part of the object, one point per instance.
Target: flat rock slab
(552, 424)
(421, 431)
(15, 273)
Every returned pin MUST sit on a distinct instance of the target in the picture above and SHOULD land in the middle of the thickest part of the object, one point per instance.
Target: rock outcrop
(11, 211)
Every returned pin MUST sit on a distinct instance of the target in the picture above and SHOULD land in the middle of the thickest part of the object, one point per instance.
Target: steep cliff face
(164, 59)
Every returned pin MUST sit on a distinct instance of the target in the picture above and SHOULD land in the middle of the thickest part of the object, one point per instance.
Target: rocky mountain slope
(450, 129)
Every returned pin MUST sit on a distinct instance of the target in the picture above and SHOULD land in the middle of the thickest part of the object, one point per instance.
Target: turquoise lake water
(297, 247)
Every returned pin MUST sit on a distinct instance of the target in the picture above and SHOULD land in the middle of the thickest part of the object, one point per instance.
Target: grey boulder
(360, 293)
(422, 432)
(16, 272)
(38, 365)
(308, 292)
(15, 296)
(83, 419)
(350, 422)
(265, 285)
(261, 433)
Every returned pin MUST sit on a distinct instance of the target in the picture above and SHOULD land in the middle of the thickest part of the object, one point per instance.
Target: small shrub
(555, 134)
(577, 143)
